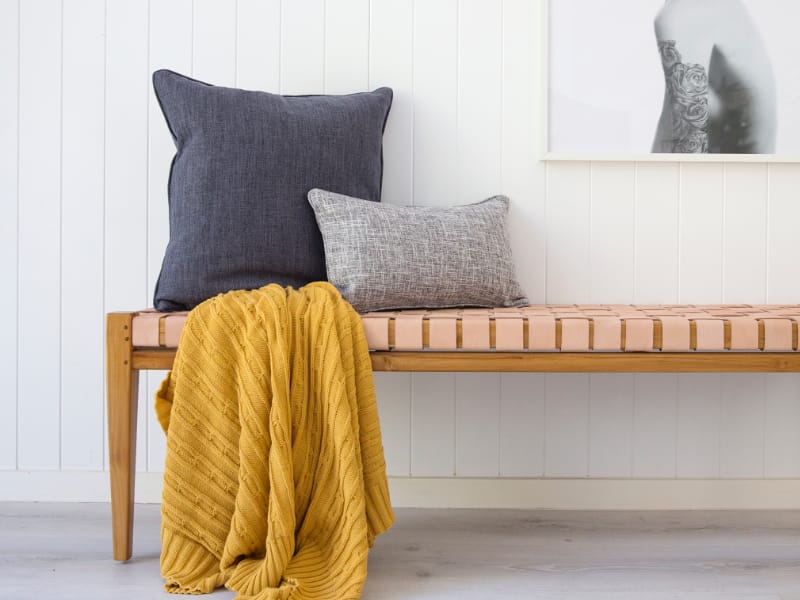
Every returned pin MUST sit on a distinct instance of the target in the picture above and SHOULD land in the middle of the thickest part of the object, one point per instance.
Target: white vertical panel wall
(82, 197)
(39, 210)
(171, 28)
(84, 162)
(9, 230)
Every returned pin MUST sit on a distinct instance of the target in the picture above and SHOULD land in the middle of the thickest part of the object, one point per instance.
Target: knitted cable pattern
(275, 481)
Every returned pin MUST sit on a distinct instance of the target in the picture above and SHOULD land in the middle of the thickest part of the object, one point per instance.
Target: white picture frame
(563, 58)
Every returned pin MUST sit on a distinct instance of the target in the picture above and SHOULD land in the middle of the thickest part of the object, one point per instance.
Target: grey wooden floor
(61, 551)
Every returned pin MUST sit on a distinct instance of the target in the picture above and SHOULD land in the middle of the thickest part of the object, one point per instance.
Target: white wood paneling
(744, 276)
(782, 421)
(346, 46)
(433, 408)
(391, 64)
(655, 424)
(700, 280)
(477, 424)
(699, 407)
(656, 269)
(480, 100)
(126, 174)
(82, 328)
(214, 42)
(610, 425)
(569, 188)
(522, 171)
(127, 89)
(435, 85)
(93, 162)
(394, 406)
(522, 424)
(433, 424)
(522, 397)
(741, 444)
(170, 47)
(782, 417)
(566, 425)
(9, 89)
(258, 45)
(39, 234)
(701, 209)
(783, 212)
(612, 232)
(302, 46)
(479, 176)
(657, 230)
(435, 102)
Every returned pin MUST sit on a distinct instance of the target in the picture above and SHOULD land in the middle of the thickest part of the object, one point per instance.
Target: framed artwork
(673, 80)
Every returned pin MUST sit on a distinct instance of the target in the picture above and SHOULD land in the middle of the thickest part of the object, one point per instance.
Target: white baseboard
(72, 486)
(597, 494)
(447, 492)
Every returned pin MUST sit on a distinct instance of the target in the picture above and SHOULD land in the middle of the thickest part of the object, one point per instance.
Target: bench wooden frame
(124, 361)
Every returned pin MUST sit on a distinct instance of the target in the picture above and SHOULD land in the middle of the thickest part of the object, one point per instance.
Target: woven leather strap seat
(553, 328)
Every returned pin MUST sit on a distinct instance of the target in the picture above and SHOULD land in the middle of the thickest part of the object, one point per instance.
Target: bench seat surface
(553, 328)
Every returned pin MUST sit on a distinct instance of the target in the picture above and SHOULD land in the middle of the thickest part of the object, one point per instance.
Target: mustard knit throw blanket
(275, 482)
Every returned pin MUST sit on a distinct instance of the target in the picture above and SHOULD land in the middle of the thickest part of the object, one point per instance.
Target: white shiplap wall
(84, 161)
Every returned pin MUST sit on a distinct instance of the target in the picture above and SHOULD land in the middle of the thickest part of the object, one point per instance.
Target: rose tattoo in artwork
(687, 85)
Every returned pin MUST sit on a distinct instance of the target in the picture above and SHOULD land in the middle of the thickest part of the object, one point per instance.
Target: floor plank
(62, 551)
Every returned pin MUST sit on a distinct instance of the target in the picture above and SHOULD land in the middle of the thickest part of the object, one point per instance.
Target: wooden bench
(546, 338)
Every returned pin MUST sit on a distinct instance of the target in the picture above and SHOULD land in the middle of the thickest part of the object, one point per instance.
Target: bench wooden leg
(123, 399)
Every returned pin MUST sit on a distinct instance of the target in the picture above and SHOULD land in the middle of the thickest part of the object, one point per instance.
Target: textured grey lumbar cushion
(382, 256)
(245, 161)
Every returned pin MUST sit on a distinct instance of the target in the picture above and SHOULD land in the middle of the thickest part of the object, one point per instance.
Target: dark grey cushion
(238, 213)
(382, 256)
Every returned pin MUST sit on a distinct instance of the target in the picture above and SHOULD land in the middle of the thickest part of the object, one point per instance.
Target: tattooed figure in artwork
(719, 91)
